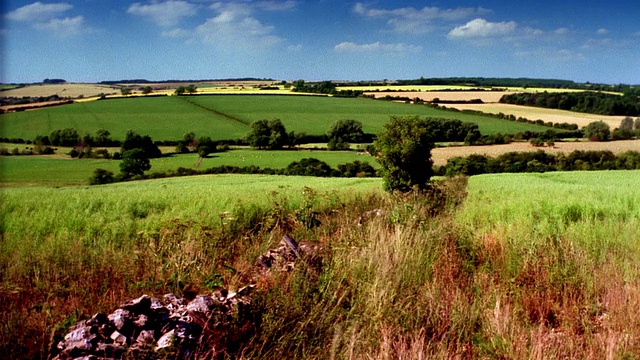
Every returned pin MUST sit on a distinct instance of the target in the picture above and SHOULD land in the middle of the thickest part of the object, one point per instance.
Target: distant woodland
(586, 102)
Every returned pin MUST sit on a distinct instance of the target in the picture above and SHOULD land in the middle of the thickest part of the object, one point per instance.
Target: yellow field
(72, 90)
(485, 96)
(409, 87)
(441, 155)
(534, 113)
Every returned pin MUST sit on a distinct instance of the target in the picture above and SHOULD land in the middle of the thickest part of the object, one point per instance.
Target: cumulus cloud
(167, 13)
(412, 20)
(276, 5)
(176, 33)
(479, 28)
(46, 17)
(561, 31)
(38, 11)
(235, 25)
(63, 27)
(376, 47)
(602, 31)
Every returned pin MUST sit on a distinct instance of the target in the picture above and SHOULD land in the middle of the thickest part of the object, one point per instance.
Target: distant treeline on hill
(586, 102)
(145, 81)
(521, 82)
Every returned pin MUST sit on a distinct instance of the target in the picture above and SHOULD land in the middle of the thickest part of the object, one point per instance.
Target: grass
(225, 116)
(62, 170)
(528, 266)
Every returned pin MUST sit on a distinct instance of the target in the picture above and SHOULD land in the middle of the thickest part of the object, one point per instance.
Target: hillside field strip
(62, 170)
(227, 116)
(547, 115)
(441, 155)
(72, 90)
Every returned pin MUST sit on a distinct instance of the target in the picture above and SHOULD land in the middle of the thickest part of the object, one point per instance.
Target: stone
(118, 338)
(202, 303)
(146, 337)
(141, 321)
(80, 339)
(140, 305)
(166, 340)
(98, 319)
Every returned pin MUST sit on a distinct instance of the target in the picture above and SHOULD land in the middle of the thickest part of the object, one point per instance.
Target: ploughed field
(226, 116)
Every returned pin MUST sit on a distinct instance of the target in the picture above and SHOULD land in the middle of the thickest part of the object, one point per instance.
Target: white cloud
(235, 26)
(412, 20)
(602, 31)
(63, 27)
(38, 11)
(479, 28)
(561, 31)
(167, 13)
(176, 33)
(376, 47)
(276, 5)
(295, 48)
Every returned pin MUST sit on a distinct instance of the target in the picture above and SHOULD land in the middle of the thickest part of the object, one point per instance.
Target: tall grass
(547, 270)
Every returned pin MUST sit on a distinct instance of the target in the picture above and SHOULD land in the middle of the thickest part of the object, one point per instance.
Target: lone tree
(404, 151)
(343, 132)
(134, 162)
(597, 131)
(268, 134)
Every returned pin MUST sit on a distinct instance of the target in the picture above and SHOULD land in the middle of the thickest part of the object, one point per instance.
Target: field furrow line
(214, 111)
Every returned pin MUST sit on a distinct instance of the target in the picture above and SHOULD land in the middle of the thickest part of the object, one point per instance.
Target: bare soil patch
(533, 113)
(441, 155)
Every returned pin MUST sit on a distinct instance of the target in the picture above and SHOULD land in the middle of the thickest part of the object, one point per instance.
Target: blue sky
(95, 40)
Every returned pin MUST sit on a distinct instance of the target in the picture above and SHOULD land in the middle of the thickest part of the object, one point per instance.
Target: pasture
(62, 170)
(226, 116)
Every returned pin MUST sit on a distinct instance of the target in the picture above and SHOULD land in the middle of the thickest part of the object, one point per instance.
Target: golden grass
(485, 96)
(72, 90)
(534, 113)
(440, 156)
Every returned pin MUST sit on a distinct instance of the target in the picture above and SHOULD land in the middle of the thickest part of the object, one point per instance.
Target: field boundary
(216, 112)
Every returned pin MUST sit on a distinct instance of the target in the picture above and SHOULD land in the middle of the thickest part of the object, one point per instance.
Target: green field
(62, 170)
(225, 116)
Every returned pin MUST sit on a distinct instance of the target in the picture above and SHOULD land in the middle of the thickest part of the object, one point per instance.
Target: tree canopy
(404, 151)
(268, 134)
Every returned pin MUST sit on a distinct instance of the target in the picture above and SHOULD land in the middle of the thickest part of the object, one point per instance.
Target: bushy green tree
(134, 140)
(404, 151)
(268, 134)
(597, 131)
(343, 132)
(134, 162)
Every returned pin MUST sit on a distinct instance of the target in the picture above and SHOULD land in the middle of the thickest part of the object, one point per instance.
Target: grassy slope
(61, 170)
(168, 118)
(532, 265)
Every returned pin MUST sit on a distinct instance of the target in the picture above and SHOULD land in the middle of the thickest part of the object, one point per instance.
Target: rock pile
(174, 327)
(171, 327)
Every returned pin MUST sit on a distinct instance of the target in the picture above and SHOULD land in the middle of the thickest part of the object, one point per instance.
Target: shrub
(597, 131)
(134, 162)
(404, 151)
(101, 176)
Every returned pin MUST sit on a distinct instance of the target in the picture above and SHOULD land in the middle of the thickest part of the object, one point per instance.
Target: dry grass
(72, 90)
(534, 113)
(485, 96)
(441, 155)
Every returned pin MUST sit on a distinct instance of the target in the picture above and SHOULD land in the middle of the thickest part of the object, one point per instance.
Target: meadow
(62, 170)
(226, 116)
(547, 270)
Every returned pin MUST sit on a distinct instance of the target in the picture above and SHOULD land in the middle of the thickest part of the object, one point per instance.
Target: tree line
(586, 102)
(540, 161)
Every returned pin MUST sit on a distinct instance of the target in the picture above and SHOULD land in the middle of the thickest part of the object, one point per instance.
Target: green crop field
(62, 170)
(225, 117)
(599, 206)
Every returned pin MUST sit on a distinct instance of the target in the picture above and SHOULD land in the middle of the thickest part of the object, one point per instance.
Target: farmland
(226, 117)
(442, 154)
(552, 115)
(61, 170)
(62, 90)
(522, 263)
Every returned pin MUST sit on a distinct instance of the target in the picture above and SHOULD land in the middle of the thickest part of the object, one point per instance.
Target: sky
(594, 41)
